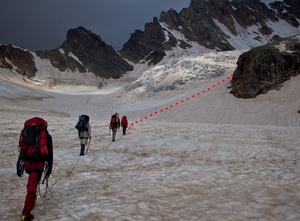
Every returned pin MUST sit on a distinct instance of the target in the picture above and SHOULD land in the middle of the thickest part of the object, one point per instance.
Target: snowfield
(212, 157)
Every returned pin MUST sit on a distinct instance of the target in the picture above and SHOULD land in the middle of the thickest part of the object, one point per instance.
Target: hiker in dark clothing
(124, 124)
(114, 125)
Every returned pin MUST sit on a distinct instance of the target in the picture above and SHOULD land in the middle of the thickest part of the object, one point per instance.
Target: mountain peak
(218, 25)
(92, 52)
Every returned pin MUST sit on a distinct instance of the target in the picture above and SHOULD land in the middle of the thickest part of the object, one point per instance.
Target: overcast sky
(43, 25)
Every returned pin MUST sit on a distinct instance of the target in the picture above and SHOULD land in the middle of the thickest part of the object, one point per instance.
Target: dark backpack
(33, 140)
(114, 120)
(82, 124)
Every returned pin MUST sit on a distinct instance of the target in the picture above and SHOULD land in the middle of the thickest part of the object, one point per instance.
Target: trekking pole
(46, 189)
(45, 196)
(88, 145)
(109, 124)
(46, 170)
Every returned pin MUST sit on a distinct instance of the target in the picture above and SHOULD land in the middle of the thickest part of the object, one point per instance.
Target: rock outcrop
(266, 68)
(17, 59)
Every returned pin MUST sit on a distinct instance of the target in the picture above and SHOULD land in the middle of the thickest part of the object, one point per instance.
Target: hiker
(114, 125)
(124, 124)
(35, 157)
(84, 132)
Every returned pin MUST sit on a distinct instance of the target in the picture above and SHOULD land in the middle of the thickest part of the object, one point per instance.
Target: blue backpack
(82, 123)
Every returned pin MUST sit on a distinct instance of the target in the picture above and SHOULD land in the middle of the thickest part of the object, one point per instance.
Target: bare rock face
(83, 52)
(147, 45)
(289, 10)
(200, 22)
(93, 55)
(265, 68)
(17, 59)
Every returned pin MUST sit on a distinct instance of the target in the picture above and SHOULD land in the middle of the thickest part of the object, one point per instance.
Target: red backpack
(114, 121)
(33, 140)
(124, 121)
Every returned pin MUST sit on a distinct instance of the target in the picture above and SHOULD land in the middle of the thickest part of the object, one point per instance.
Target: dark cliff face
(289, 10)
(21, 59)
(92, 53)
(265, 68)
(146, 45)
(199, 23)
(82, 52)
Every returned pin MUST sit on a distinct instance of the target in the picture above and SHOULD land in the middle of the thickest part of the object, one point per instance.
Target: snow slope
(211, 157)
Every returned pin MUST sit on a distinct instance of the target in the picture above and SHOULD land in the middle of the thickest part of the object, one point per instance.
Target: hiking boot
(27, 218)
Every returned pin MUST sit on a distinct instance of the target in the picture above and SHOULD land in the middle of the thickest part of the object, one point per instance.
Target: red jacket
(124, 121)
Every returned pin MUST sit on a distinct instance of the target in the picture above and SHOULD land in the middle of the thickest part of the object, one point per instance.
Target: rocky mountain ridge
(215, 25)
(93, 55)
(82, 52)
(219, 25)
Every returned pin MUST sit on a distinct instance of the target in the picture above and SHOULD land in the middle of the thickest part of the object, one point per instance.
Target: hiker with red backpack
(84, 132)
(124, 124)
(114, 125)
(35, 157)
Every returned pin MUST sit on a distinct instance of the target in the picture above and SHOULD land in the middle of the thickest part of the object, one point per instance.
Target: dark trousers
(124, 129)
(114, 133)
(82, 149)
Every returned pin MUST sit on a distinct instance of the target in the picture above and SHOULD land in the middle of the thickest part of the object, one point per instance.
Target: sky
(212, 157)
(39, 25)
(43, 25)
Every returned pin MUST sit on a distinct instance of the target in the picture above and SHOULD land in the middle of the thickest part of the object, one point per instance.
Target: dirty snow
(213, 157)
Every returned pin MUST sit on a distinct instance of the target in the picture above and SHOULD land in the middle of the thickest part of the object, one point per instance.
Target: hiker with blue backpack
(84, 132)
